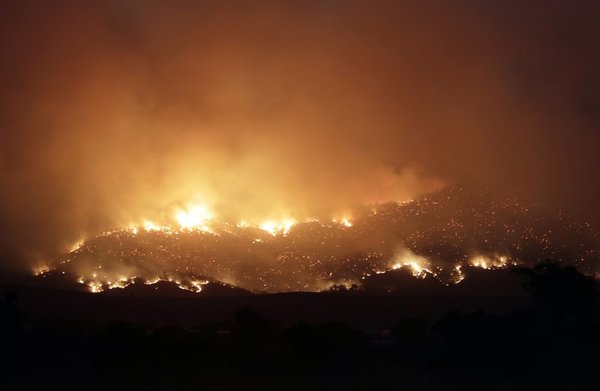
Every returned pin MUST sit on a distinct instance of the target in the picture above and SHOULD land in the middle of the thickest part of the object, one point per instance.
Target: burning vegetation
(434, 237)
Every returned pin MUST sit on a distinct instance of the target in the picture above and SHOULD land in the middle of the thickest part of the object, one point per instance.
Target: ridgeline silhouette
(549, 343)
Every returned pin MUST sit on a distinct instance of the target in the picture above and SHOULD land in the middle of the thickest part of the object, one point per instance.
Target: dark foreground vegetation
(551, 344)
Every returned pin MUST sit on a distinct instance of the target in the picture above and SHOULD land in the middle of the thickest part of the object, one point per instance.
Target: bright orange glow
(196, 285)
(76, 246)
(487, 262)
(96, 285)
(195, 217)
(39, 270)
(277, 227)
(345, 221)
(288, 255)
(150, 226)
(418, 265)
(243, 224)
(458, 275)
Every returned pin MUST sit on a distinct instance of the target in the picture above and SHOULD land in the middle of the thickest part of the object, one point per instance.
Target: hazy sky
(111, 111)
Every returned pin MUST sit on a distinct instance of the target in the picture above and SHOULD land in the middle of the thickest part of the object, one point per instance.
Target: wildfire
(418, 265)
(345, 221)
(277, 227)
(291, 253)
(486, 262)
(97, 285)
(76, 246)
(200, 217)
(243, 224)
(195, 217)
(195, 285)
(458, 275)
(151, 226)
(40, 270)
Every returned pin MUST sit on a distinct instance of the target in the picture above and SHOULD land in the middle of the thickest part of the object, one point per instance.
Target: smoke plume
(113, 111)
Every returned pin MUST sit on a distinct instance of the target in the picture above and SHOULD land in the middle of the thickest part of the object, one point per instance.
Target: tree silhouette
(560, 292)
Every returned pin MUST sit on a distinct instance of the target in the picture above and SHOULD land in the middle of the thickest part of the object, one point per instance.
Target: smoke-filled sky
(115, 110)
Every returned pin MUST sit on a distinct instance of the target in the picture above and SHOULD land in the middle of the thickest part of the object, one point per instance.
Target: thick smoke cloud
(111, 111)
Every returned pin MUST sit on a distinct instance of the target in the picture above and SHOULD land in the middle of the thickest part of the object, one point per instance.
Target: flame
(346, 283)
(458, 275)
(41, 269)
(195, 285)
(194, 217)
(152, 281)
(345, 221)
(486, 262)
(77, 245)
(95, 285)
(243, 224)
(277, 227)
(419, 266)
(151, 226)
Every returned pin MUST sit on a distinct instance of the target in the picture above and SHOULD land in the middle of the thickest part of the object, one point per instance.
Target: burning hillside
(438, 236)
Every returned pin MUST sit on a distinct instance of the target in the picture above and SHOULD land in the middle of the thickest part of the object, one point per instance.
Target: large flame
(277, 227)
(418, 265)
(194, 217)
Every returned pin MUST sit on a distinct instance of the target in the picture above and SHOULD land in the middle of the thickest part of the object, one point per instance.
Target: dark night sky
(113, 110)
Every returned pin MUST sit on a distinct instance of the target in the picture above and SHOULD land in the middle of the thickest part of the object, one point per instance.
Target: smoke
(112, 111)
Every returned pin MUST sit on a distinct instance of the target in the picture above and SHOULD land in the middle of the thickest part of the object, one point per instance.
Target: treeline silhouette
(553, 344)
